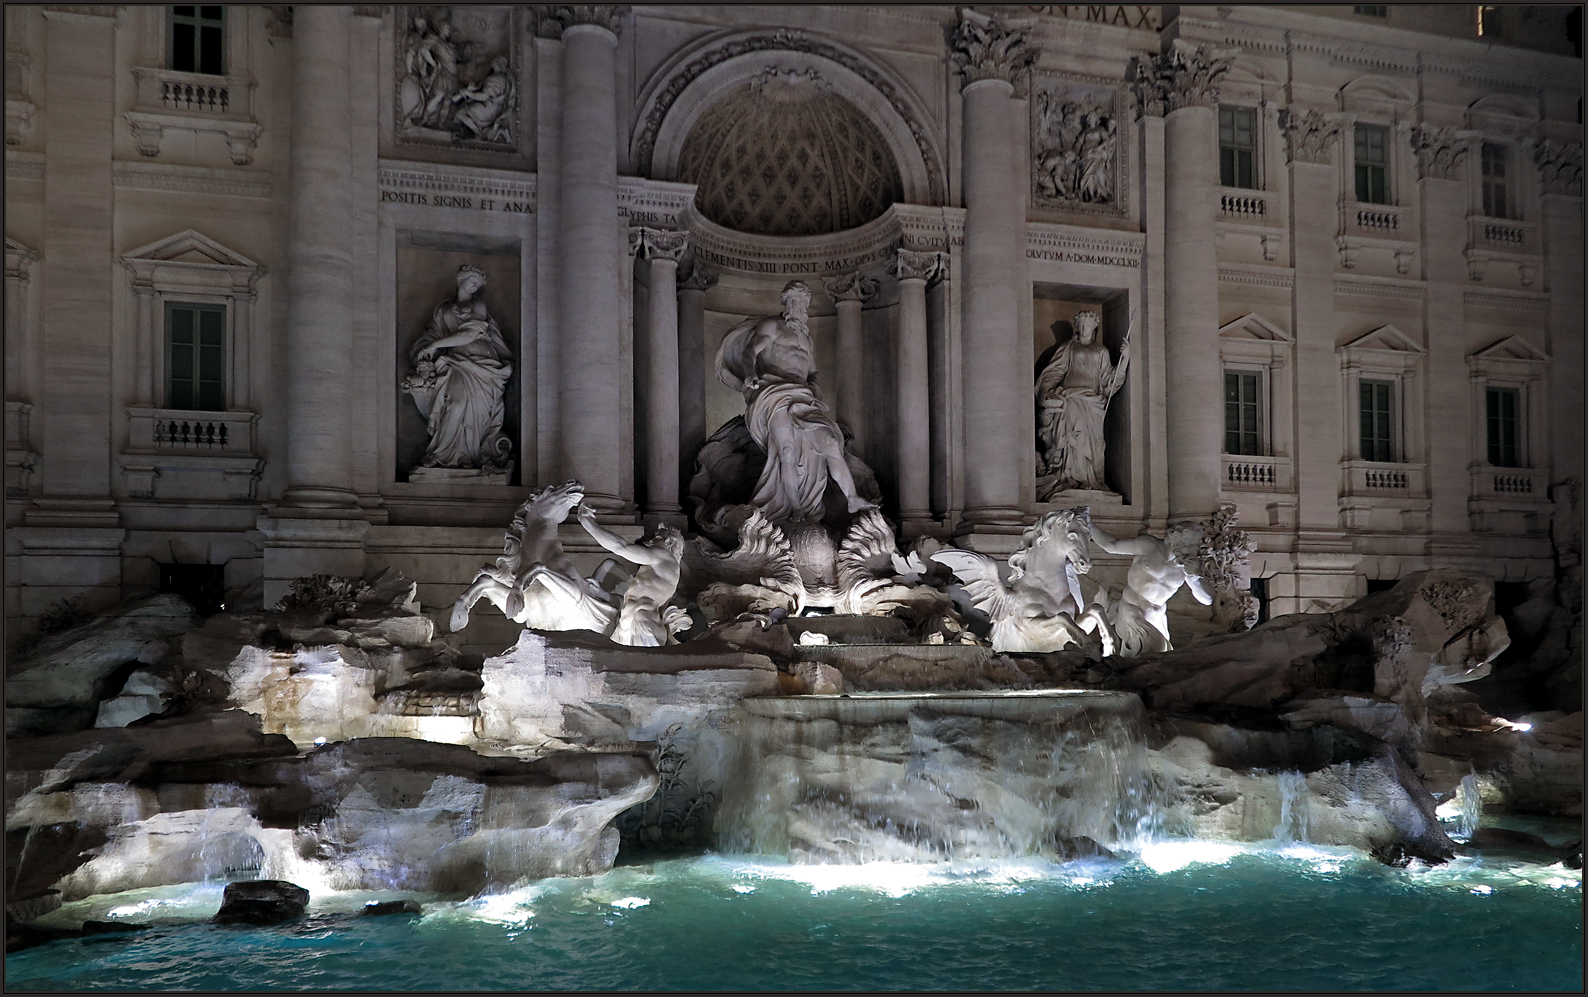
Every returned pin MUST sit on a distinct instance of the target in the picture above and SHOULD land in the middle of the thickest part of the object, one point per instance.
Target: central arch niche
(784, 155)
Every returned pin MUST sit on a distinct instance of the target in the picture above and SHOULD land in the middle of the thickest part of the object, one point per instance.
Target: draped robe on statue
(463, 400)
(784, 417)
(1075, 389)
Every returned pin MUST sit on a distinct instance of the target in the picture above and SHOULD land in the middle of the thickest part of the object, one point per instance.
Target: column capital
(1186, 75)
(1440, 151)
(1559, 167)
(911, 265)
(992, 47)
(696, 276)
(854, 286)
(1309, 134)
(551, 20)
(662, 244)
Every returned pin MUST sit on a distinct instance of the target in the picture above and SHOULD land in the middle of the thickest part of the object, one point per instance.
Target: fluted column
(914, 431)
(592, 433)
(663, 250)
(1182, 84)
(993, 53)
(849, 292)
(693, 282)
(320, 265)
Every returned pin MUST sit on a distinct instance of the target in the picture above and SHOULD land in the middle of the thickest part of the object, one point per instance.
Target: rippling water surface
(1184, 916)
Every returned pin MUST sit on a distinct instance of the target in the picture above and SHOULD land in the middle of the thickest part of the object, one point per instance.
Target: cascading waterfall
(1293, 806)
(933, 777)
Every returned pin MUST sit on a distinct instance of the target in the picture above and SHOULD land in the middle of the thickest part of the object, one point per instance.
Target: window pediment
(1253, 326)
(1512, 348)
(192, 262)
(1385, 338)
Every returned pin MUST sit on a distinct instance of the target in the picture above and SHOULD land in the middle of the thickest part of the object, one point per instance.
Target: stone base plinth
(462, 475)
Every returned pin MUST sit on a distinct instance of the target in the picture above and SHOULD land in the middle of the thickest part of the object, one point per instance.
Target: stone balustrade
(1256, 474)
(1378, 219)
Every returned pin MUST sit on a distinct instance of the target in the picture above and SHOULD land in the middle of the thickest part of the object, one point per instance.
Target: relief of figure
(441, 58)
(461, 368)
(645, 619)
(1096, 155)
(484, 109)
(535, 582)
(1157, 570)
(1073, 392)
(770, 359)
(1040, 607)
(1074, 151)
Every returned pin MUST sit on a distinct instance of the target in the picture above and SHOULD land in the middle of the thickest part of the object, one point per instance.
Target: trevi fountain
(737, 706)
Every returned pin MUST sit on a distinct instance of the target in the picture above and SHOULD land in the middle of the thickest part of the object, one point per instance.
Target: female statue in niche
(461, 367)
(1073, 392)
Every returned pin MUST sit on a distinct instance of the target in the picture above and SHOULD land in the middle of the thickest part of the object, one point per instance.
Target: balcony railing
(1383, 480)
(175, 430)
(1502, 235)
(1245, 207)
(1256, 474)
(1380, 220)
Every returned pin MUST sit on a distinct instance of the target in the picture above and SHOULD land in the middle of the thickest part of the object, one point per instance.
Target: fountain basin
(937, 776)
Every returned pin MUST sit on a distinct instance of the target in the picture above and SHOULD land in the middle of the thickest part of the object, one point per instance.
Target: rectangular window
(1242, 428)
(1372, 164)
(1238, 147)
(1495, 202)
(1377, 421)
(1504, 404)
(195, 357)
(197, 39)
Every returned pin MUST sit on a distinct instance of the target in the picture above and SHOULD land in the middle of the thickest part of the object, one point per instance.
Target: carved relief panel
(1076, 147)
(457, 78)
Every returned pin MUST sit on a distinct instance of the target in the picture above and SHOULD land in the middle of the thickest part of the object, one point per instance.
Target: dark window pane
(1377, 424)
(1504, 430)
(1226, 167)
(182, 54)
(210, 60)
(1237, 147)
(182, 325)
(210, 13)
(196, 357)
(183, 11)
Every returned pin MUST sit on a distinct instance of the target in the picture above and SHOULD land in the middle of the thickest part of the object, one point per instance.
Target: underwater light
(319, 741)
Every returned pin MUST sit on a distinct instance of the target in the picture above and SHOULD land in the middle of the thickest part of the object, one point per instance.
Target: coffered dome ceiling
(784, 155)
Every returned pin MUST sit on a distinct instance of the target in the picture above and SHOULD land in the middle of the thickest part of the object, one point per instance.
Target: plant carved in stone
(461, 365)
(1072, 395)
(992, 47)
(1559, 166)
(1308, 134)
(1440, 152)
(1186, 75)
(1225, 555)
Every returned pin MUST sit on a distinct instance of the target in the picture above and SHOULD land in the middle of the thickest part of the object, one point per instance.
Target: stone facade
(297, 216)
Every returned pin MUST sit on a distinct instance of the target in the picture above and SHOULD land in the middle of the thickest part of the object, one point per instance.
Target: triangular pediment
(1511, 348)
(1385, 337)
(191, 247)
(1254, 326)
(15, 248)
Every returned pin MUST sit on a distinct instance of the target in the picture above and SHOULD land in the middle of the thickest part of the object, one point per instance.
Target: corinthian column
(848, 293)
(320, 265)
(692, 287)
(914, 270)
(1182, 84)
(663, 250)
(993, 53)
(592, 435)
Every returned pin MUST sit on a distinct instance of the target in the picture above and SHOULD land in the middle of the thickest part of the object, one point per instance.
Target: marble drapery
(461, 368)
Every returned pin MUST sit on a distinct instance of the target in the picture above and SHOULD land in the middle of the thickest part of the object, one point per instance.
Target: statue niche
(461, 366)
(1073, 390)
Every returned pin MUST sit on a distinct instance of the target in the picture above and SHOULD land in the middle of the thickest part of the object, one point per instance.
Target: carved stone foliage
(1074, 146)
(1559, 167)
(694, 275)
(1224, 556)
(663, 244)
(790, 41)
(553, 19)
(1440, 152)
(911, 265)
(457, 77)
(785, 155)
(854, 286)
(992, 47)
(1185, 76)
(1308, 135)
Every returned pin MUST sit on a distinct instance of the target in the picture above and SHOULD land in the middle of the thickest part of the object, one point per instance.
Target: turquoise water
(1183, 916)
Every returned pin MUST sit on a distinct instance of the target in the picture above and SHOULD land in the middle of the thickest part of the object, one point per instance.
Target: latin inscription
(1061, 256)
(458, 201)
(1133, 16)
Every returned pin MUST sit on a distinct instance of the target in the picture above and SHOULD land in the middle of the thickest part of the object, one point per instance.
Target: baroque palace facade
(335, 288)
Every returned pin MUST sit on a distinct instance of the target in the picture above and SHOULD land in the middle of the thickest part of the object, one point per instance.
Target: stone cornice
(87, 10)
(1381, 287)
(1257, 276)
(176, 179)
(403, 177)
(1073, 244)
(654, 202)
(1536, 302)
